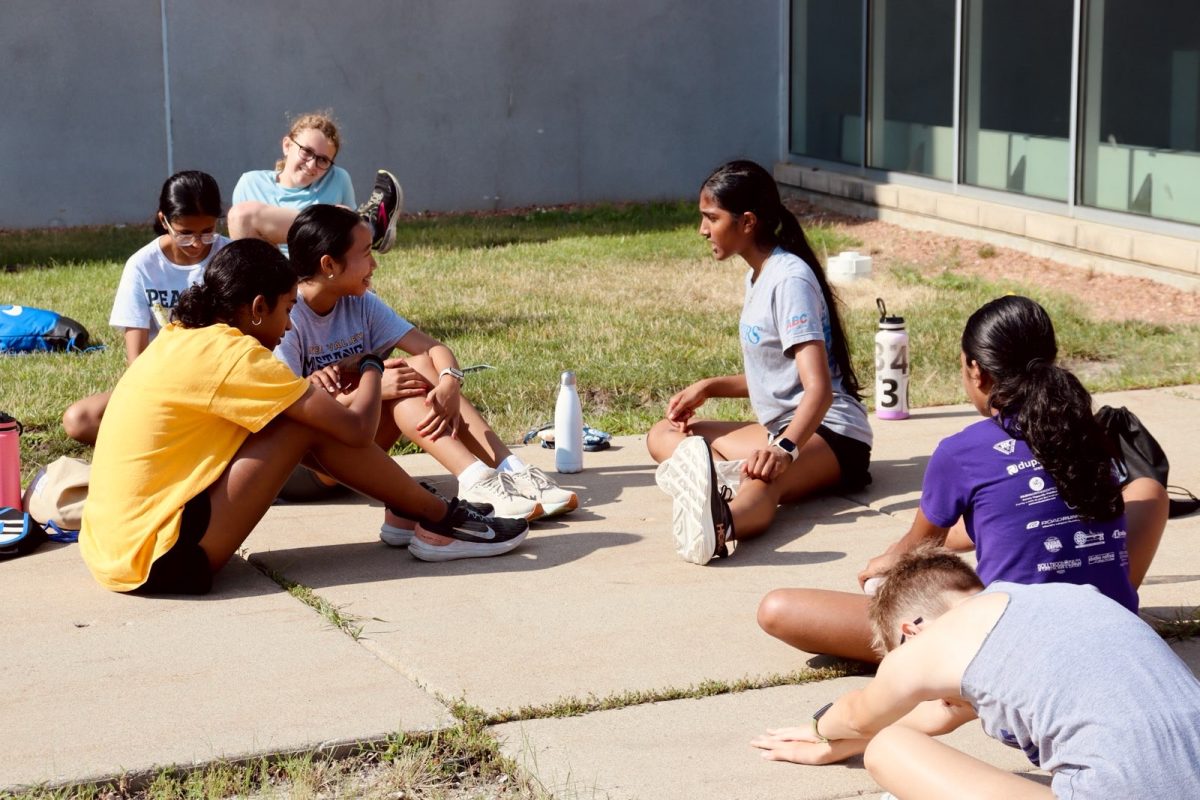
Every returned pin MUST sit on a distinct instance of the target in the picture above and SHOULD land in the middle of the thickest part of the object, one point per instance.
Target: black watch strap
(816, 717)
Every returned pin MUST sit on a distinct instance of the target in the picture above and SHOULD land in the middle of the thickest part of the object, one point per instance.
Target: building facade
(1072, 123)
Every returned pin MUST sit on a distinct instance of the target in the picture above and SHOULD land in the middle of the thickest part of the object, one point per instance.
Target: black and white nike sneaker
(401, 534)
(471, 535)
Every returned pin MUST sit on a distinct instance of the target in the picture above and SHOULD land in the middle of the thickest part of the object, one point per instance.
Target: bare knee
(81, 421)
(773, 610)
(662, 440)
(883, 751)
(424, 365)
(241, 219)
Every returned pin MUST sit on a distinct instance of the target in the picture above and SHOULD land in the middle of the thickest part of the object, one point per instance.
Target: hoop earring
(256, 322)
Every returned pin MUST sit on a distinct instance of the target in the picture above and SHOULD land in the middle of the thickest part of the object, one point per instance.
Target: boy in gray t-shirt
(1084, 688)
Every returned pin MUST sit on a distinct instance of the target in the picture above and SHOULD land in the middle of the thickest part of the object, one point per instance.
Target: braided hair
(742, 186)
(1012, 340)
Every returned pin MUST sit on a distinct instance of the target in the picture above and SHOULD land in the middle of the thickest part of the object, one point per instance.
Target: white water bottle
(891, 366)
(568, 427)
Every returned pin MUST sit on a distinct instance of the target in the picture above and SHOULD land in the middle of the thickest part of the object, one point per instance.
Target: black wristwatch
(820, 713)
(786, 445)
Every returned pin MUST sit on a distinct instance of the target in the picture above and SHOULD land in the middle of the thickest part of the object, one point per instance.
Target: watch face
(785, 444)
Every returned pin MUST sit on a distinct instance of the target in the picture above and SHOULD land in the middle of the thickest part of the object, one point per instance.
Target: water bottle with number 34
(891, 366)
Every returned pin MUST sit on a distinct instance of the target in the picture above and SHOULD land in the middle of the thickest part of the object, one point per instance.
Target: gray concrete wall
(473, 104)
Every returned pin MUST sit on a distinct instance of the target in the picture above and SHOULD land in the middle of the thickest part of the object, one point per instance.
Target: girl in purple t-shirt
(1032, 488)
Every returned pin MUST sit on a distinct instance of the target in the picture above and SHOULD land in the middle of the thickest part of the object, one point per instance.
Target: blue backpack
(33, 330)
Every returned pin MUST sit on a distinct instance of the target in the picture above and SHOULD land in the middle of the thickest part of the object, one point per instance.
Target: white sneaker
(499, 490)
(536, 485)
(700, 518)
(398, 535)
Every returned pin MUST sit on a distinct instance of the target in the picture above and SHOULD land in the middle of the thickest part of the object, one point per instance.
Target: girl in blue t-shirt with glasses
(1034, 488)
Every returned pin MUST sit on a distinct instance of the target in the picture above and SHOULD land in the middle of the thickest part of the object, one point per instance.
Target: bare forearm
(725, 386)
(442, 357)
(809, 415)
(364, 408)
(921, 532)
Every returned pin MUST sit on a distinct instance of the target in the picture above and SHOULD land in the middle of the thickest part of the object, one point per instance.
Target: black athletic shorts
(853, 456)
(184, 568)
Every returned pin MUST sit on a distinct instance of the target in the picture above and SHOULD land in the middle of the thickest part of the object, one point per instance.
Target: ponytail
(742, 186)
(1012, 340)
(241, 271)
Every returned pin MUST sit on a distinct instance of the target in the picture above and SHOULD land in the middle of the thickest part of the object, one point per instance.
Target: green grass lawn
(627, 296)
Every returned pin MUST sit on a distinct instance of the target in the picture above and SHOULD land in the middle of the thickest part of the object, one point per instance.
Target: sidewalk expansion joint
(575, 706)
(349, 624)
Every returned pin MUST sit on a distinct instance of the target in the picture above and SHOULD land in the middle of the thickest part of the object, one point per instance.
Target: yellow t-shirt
(174, 422)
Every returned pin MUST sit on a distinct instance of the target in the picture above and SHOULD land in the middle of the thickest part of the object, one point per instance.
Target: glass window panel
(1017, 96)
(1141, 108)
(826, 80)
(912, 86)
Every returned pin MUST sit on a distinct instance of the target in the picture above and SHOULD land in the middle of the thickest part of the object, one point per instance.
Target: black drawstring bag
(1142, 455)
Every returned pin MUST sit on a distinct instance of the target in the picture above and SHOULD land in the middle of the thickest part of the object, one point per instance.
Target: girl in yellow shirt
(203, 429)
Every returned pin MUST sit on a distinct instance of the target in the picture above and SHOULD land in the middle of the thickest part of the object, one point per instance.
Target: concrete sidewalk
(593, 605)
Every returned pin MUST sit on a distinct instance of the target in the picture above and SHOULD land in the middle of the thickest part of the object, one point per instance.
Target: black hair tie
(370, 361)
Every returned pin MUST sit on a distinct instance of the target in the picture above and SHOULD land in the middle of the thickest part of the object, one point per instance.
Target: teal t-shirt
(333, 187)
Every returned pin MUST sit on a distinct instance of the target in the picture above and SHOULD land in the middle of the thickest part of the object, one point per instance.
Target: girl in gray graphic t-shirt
(810, 431)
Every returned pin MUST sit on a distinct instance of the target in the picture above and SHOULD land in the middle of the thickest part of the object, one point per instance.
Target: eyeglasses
(308, 154)
(189, 239)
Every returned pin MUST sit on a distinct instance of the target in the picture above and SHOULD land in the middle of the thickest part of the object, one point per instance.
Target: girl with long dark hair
(810, 430)
(1035, 485)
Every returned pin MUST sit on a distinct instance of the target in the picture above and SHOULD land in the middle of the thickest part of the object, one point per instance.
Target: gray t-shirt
(1089, 692)
(782, 309)
(355, 325)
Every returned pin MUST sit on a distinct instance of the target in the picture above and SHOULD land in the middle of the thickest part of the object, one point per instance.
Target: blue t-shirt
(356, 325)
(333, 188)
(1022, 529)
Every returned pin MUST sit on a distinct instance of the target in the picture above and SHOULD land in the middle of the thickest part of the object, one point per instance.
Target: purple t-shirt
(1022, 529)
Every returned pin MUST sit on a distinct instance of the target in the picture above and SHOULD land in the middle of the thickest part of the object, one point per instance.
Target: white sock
(512, 464)
(473, 474)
